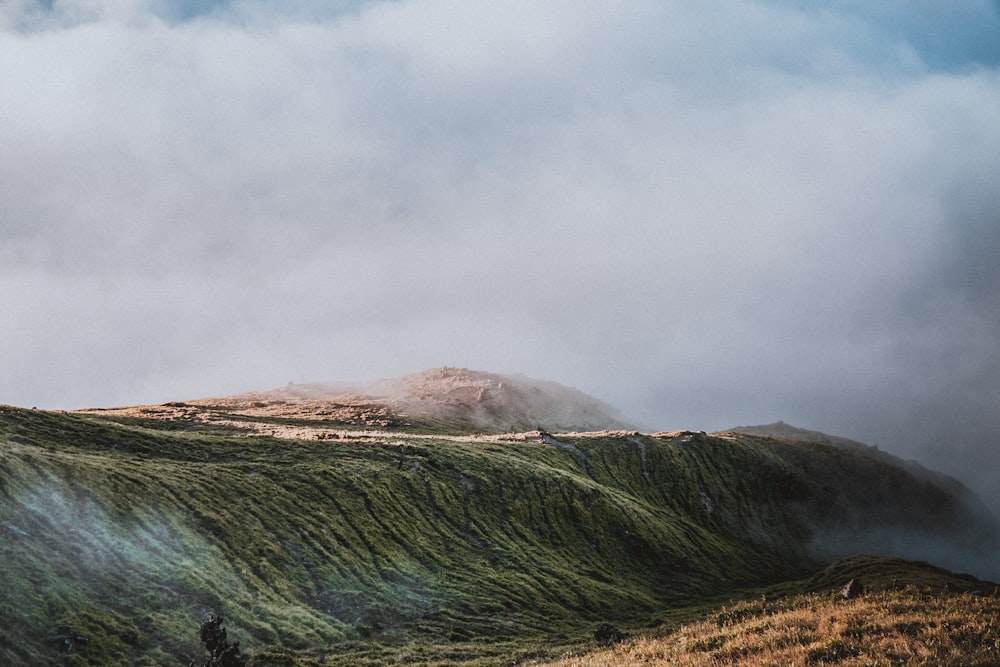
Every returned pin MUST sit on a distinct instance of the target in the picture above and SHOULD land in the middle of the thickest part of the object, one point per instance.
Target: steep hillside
(879, 532)
(361, 543)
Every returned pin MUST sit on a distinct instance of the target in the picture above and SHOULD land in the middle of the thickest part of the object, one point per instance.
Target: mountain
(440, 400)
(405, 523)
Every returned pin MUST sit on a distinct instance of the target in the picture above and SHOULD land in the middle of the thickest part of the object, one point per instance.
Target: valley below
(463, 518)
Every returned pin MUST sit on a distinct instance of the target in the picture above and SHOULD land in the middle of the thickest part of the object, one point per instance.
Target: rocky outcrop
(492, 402)
(852, 589)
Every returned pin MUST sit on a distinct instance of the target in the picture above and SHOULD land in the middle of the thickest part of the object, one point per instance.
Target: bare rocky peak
(453, 399)
(440, 384)
(496, 402)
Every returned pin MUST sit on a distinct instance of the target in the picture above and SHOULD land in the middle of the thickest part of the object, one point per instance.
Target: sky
(706, 214)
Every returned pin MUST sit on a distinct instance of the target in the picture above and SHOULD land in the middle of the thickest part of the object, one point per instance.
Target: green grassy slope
(374, 549)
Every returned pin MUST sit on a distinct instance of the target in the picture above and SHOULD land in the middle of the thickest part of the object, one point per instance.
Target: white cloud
(715, 215)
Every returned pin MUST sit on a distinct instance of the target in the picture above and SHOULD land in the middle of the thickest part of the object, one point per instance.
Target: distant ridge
(779, 430)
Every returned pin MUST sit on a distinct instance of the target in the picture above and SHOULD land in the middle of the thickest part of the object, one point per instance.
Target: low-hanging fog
(706, 214)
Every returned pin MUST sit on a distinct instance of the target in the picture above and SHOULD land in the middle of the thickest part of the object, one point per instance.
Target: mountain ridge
(782, 431)
(361, 533)
(438, 400)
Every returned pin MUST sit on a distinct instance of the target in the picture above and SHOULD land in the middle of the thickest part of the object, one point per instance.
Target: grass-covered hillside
(909, 614)
(359, 539)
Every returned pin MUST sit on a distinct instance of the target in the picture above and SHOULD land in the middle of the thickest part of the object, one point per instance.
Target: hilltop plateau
(448, 517)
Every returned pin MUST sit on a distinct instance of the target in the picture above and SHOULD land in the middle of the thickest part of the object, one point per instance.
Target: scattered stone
(853, 589)
(706, 502)
(69, 640)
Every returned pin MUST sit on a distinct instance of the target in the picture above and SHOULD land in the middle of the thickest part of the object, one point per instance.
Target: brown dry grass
(887, 628)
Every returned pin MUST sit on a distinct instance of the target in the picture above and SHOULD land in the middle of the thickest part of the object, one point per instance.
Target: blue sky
(708, 215)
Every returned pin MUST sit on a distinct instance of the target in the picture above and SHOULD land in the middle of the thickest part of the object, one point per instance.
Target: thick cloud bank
(706, 214)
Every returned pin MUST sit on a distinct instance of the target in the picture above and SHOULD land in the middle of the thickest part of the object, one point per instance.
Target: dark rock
(608, 635)
(69, 640)
(852, 590)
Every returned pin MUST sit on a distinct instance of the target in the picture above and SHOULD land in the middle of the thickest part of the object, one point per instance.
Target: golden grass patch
(911, 627)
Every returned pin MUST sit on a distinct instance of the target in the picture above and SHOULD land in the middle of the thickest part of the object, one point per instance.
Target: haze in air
(705, 216)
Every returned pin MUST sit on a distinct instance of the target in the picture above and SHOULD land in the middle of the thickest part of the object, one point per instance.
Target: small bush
(221, 653)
